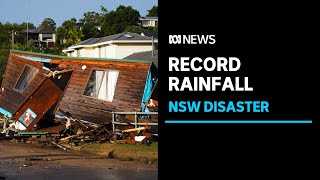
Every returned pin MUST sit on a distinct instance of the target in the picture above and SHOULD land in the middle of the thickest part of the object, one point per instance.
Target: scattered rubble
(68, 131)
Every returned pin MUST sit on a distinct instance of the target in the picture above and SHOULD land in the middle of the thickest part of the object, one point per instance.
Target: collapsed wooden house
(39, 85)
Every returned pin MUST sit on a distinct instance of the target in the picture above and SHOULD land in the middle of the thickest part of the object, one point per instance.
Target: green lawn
(142, 153)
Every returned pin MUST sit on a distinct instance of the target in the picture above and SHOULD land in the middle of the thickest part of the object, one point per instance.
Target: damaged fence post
(113, 119)
(135, 119)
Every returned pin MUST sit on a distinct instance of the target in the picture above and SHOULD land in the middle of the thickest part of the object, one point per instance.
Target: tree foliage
(68, 34)
(91, 17)
(28, 46)
(153, 12)
(116, 21)
(20, 42)
(47, 23)
(91, 21)
(89, 30)
(134, 29)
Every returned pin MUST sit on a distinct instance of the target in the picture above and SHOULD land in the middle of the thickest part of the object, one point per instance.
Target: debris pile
(65, 131)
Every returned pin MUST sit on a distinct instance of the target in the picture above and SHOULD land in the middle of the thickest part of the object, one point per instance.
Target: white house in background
(148, 21)
(115, 46)
(47, 38)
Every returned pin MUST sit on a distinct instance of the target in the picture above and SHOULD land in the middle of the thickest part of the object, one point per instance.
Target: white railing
(135, 123)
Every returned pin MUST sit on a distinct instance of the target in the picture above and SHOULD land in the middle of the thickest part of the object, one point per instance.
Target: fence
(135, 123)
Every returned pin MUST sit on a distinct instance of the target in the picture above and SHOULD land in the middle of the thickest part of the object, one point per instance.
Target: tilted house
(36, 85)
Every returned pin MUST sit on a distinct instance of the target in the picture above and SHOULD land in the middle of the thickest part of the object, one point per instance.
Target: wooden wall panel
(128, 93)
(40, 101)
(11, 99)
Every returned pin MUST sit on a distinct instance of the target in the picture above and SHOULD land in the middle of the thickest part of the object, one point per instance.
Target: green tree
(4, 53)
(19, 39)
(91, 17)
(153, 12)
(155, 28)
(91, 20)
(68, 34)
(134, 29)
(103, 10)
(116, 21)
(47, 23)
(89, 30)
(30, 26)
(28, 46)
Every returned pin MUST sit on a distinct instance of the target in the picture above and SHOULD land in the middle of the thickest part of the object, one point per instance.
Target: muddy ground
(29, 161)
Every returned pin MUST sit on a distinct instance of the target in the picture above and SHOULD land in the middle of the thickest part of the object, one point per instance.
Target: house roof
(148, 18)
(125, 36)
(151, 34)
(33, 31)
(147, 55)
(88, 41)
(41, 57)
(45, 31)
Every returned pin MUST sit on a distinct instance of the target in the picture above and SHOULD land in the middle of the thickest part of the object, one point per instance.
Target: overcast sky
(17, 11)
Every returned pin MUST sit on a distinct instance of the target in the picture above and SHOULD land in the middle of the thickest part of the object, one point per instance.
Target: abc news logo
(192, 39)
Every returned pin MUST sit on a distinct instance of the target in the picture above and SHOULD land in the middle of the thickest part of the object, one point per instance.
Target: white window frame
(110, 86)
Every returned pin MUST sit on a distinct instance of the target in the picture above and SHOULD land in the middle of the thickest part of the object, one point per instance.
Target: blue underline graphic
(238, 121)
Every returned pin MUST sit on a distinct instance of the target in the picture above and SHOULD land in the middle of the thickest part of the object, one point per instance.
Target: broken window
(25, 78)
(102, 84)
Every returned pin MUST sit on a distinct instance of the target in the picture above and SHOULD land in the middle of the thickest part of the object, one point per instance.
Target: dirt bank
(28, 161)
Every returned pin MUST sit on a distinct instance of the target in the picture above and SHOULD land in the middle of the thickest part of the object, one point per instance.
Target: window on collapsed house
(102, 84)
(25, 78)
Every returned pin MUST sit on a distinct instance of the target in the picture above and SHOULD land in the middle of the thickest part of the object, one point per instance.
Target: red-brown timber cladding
(128, 94)
(40, 101)
(127, 97)
(11, 99)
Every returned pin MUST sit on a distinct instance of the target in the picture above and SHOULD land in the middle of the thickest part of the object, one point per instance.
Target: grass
(127, 152)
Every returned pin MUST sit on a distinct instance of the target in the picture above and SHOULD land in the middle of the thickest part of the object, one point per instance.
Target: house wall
(124, 50)
(74, 53)
(87, 52)
(148, 23)
(11, 99)
(40, 37)
(117, 51)
(111, 51)
(54, 37)
(127, 97)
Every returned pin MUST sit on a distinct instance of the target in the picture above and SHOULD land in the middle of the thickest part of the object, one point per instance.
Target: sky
(18, 11)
